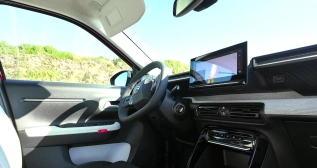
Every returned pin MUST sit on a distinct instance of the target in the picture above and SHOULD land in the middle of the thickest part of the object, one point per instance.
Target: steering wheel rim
(154, 102)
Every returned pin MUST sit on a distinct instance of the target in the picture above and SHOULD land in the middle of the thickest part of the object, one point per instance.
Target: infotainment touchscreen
(224, 67)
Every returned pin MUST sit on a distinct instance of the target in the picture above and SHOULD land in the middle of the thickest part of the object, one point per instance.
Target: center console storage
(228, 148)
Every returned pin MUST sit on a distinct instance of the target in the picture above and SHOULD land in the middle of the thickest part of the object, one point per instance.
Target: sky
(268, 26)
(20, 26)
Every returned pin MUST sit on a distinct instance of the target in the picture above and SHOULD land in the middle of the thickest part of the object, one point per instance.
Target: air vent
(208, 110)
(244, 111)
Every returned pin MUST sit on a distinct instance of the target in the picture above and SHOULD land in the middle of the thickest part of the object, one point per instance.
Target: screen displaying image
(220, 69)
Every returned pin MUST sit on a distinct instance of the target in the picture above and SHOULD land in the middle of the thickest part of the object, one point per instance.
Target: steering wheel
(145, 95)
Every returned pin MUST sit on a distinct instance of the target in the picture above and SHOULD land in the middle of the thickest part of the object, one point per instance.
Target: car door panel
(48, 157)
(63, 106)
(66, 105)
(59, 156)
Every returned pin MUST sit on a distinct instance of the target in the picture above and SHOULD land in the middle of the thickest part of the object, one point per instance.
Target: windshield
(268, 26)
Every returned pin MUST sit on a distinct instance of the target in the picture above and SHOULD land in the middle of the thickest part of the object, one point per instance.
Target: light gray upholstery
(10, 147)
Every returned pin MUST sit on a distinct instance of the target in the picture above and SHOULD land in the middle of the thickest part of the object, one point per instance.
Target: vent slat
(245, 111)
(208, 110)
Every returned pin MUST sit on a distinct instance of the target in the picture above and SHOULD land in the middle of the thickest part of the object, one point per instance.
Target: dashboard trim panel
(283, 103)
(178, 79)
(255, 64)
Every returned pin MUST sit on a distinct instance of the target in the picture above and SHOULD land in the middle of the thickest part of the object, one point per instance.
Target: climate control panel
(232, 139)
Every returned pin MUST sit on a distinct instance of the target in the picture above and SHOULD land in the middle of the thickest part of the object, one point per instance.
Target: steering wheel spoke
(153, 87)
(127, 102)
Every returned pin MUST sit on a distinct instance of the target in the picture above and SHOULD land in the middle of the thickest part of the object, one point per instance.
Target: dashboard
(276, 82)
(272, 97)
(283, 83)
(291, 70)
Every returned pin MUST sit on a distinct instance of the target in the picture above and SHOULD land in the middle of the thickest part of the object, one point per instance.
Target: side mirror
(182, 7)
(121, 78)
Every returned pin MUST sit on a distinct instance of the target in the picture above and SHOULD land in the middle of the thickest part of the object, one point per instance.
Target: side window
(35, 46)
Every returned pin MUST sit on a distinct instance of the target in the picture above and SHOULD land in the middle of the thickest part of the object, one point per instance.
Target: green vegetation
(45, 63)
(176, 66)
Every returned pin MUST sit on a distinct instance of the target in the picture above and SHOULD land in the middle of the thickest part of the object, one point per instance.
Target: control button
(233, 136)
(223, 108)
(180, 109)
(223, 113)
(216, 134)
(278, 78)
(128, 101)
(222, 135)
(227, 136)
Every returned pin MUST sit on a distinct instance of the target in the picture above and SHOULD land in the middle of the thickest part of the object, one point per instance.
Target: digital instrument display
(224, 67)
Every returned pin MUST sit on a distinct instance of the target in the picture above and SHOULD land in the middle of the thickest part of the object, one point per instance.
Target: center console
(228, 148)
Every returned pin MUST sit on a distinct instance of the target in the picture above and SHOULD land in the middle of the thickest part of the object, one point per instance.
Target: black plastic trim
(6, 105)
(226, 117)
(283, 55)
(273, 130)
(256, 153)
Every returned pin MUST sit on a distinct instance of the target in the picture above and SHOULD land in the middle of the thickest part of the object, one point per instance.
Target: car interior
(224, 112)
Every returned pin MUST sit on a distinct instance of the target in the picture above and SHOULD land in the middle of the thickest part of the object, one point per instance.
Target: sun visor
(118, 15)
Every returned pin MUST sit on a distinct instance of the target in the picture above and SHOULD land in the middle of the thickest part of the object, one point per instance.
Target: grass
(44, 74)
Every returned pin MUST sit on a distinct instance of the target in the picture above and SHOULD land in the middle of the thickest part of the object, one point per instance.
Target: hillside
(32, 62)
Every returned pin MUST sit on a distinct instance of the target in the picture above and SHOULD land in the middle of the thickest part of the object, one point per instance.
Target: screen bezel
(236, 79)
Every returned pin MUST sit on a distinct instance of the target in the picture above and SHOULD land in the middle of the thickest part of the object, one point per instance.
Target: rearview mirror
(181, 7)
(121, 78)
